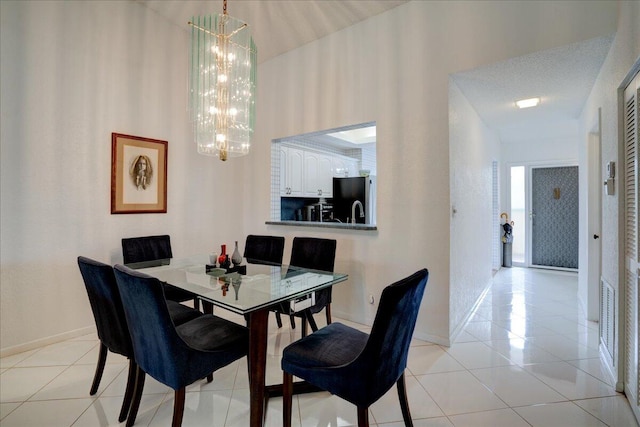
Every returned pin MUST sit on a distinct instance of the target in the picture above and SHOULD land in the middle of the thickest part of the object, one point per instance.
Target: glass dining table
(250, 295)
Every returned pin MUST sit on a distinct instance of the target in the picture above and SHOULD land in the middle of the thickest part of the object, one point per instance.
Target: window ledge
(336, 225)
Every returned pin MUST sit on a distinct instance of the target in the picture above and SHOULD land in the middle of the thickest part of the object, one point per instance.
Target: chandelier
(222, 85)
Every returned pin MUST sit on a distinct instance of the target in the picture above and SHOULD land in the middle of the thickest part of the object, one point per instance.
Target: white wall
(394, 69)
(534, 149)
(73, 72)
(345, 79)
(624, 53)
(472, 149)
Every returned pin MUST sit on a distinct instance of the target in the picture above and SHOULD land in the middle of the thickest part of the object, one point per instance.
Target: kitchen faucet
(353, 211)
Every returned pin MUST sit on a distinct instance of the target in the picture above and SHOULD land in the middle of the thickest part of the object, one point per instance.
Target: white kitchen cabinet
(307, 173)
(291, 172)
(318, 175)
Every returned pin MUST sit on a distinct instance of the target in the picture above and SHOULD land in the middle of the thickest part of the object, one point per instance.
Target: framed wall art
(138, 175)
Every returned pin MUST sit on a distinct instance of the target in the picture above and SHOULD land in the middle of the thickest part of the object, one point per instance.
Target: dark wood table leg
(258, 326)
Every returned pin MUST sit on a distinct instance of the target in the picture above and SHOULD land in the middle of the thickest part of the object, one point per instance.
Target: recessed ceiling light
(526, 103)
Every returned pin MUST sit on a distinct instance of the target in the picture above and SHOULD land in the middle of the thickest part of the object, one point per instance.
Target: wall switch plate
(610, 187)
(611, 169)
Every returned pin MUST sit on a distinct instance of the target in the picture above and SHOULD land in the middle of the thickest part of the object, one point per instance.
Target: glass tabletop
(261, 287)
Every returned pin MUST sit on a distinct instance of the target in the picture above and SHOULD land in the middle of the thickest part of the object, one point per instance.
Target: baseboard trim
(41, 342)
(460, 327)
(610, 370)
(433, 339)
(424, 337)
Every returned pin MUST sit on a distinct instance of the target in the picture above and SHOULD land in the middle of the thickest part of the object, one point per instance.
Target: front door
(554, 217)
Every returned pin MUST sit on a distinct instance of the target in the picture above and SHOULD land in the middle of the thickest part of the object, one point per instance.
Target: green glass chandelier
(222, 85)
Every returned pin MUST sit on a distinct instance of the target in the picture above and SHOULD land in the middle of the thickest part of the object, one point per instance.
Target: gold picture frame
(138, 174)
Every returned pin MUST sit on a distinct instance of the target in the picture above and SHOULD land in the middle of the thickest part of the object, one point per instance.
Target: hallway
(527, 358)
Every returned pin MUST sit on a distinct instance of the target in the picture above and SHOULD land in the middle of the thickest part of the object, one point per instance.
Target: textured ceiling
(561, 77)
(278, 26)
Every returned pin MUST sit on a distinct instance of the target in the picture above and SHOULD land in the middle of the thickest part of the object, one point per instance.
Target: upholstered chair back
(146, 248)
(313, 253)
(106, 305)
(264, 249)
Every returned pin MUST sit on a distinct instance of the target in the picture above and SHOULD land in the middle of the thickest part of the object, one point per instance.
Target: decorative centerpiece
(223, 254)
(226, 263)
(236, 257)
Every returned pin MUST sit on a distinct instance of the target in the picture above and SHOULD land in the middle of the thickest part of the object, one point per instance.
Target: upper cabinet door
(296, 162)
(311, 170)
(291, 167)
(284, 179)
(325, 176)
(318, 175)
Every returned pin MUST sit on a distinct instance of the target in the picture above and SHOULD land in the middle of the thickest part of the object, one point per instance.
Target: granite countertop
(336, 225)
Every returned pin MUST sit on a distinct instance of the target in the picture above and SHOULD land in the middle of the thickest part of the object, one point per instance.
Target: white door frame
(529, 165)
(593, 239)
(528, 174)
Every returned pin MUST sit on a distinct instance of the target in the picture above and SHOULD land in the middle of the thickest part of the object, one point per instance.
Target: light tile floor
(527, 358)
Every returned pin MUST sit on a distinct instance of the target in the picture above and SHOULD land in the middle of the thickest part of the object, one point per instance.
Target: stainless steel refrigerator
(346, 191)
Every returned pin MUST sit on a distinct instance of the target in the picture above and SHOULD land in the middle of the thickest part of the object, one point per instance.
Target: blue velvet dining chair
(265, 250)
(111, 324)
(155, 248)
(316, 254)
(358, 367)
(176, 356)
(146, 248)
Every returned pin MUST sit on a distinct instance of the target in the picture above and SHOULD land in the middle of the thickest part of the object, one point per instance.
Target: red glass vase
(223, 254)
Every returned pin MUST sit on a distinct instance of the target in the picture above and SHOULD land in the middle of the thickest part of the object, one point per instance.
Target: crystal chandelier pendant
(222, 85)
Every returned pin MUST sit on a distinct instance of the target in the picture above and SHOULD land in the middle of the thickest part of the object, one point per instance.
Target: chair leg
(128, 394)
(102, 358)
(311, 320)
(363, 416)
(287, 398)
(292, 320)
(327, 312)
(278, 319)
(404, 403)
(178, 407)
(207, 307)
(196, 303)
(137, 396)
(304, 326)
